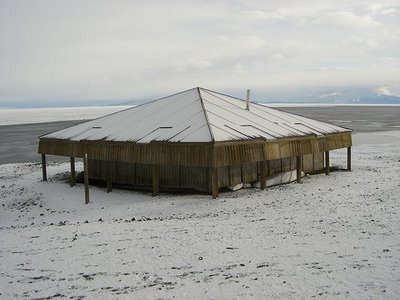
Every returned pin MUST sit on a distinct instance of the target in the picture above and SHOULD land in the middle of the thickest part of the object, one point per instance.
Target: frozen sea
(20, 128)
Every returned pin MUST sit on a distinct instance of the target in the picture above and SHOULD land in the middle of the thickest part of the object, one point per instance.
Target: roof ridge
(205, 114)
(223, 94)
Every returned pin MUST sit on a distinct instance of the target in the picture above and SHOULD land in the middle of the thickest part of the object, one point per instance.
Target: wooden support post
(136, 172)
(44, 170)
(86, 177)
(109, 176)
(214, 183)
(313, 162)
(298, 169)
(109, 184)
(327, 162)
(348, 158)
(72, 163)
(156, 180)
(230, 175)
(208, 180)
(180, 176)
(263, 175)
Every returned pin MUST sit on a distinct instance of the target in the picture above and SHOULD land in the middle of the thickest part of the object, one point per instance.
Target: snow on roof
(196, 115)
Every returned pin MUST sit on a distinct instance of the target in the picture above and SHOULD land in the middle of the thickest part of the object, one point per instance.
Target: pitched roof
(196, 115)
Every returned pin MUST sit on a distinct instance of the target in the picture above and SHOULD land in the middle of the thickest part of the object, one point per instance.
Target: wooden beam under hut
(348, 158)
(156, 180)
(214, 183)
(263, 175)
(44, 170)
(327, 162)
(298, 169)
(86, 177)
(109, 176)
(72, 178)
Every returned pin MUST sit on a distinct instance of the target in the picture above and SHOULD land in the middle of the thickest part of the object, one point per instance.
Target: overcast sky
(81, 50)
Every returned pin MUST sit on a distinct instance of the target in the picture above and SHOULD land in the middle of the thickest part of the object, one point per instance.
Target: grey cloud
(347, 19)
(124, 49)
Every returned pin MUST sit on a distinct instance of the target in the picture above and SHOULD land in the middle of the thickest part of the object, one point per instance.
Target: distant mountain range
(355, 96)
(333, 96)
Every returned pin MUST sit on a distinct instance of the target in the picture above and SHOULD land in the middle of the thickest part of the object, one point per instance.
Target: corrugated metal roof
(196, 115)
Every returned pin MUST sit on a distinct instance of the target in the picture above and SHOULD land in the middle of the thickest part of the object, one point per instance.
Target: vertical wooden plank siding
(204, 167)
(72, 163)
(44, 170)
(348, 158)
(298, 169)
(263, 175)
(214, 183)
(86, 177)
(156, 180)
(204, 155)
(327, 162)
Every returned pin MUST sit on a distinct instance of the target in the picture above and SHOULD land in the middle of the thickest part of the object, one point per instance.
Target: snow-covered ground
(42, 115)
(335, 236)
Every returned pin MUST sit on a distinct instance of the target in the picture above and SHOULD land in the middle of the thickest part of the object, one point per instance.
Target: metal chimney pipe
(248, 100)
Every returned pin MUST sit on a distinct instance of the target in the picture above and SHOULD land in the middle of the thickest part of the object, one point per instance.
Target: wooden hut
(196, 139)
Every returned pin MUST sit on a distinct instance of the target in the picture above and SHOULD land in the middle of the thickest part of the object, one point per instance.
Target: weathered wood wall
(196, 154)
(197, 178)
